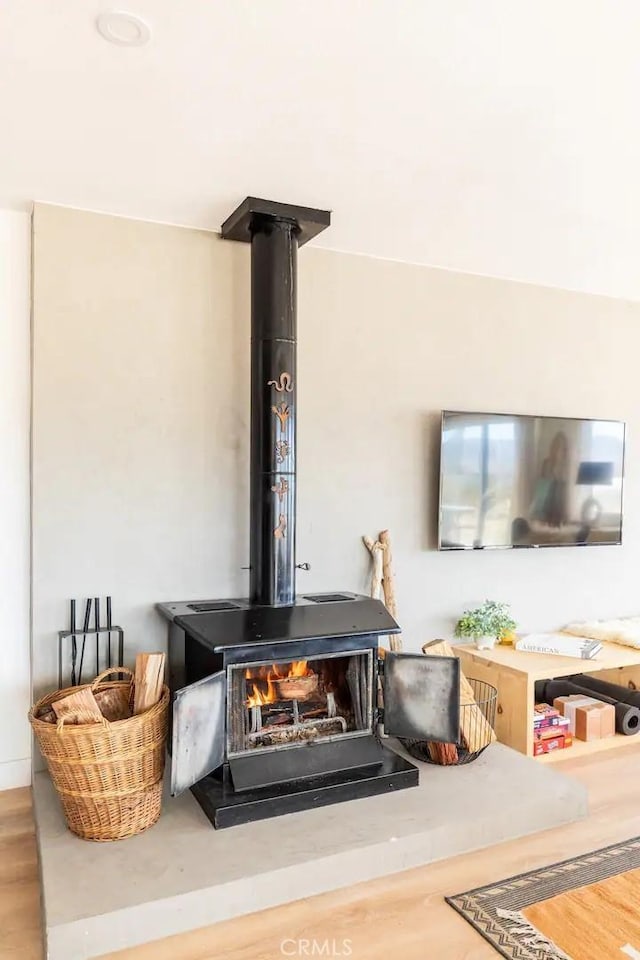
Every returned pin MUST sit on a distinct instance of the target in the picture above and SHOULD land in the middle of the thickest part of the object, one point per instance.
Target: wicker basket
(107, 775)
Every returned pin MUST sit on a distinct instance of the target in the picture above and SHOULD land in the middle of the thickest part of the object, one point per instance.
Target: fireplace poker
(121, 651)
(59, 661)
(109, 625)
(85, 627)
(96, 623)
(74, 642)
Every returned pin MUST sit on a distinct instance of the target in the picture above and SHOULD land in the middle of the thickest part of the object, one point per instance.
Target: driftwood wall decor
(382, 578)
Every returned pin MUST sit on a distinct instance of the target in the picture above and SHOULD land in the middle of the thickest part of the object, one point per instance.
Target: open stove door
(198, 731)
(421, 697)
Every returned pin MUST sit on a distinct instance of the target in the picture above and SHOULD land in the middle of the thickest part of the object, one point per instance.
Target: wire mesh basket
(477, 721)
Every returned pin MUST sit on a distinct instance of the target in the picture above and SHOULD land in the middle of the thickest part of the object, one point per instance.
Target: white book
(560, 645)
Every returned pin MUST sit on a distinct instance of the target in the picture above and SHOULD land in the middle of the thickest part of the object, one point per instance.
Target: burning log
(289, 702)
(315, 712)
(285, 713)
(275, 719)
(310, 730)
(283, 681)
(296, 688)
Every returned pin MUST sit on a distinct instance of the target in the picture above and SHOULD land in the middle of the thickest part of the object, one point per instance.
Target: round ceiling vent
(123, 29)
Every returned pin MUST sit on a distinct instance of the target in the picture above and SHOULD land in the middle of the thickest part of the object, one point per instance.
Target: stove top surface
(222, 624)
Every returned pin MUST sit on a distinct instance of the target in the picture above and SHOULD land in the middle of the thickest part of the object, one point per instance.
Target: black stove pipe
(275, 231)
(274, 249)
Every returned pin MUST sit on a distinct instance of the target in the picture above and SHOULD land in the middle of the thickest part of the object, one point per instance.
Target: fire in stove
(284, 681)
(288, 703)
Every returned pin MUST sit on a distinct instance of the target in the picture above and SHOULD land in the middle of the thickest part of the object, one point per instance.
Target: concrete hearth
(182, 874)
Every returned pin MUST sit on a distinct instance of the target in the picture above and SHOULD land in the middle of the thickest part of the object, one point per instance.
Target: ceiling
(493, 136)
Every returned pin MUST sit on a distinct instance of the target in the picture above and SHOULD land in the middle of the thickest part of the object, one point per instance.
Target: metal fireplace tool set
(79, 638)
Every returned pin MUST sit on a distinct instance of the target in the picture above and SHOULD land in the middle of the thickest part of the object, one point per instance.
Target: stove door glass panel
(422, 697)
(199, 731)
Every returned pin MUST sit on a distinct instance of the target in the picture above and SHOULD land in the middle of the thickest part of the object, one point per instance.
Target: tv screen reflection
(519, 481)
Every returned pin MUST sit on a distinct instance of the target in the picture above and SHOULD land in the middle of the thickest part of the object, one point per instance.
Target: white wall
(141, 403)
(15, 740)
(140, 378)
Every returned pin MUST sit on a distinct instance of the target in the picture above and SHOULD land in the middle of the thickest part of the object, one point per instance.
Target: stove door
(422, 697)
(198, 731)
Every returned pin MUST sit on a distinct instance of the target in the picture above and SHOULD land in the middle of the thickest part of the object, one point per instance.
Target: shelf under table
(514, 673)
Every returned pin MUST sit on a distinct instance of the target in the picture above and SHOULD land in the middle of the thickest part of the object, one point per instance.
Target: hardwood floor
(20, 931)
(402, 915)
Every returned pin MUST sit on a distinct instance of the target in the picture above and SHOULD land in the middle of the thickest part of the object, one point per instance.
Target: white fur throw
(626, 631)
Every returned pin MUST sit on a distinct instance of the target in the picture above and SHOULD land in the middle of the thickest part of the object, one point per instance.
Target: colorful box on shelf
(550, 723)
(545, 732)
(589, 719)
(559, 742)
(544, 713)
(550, 730)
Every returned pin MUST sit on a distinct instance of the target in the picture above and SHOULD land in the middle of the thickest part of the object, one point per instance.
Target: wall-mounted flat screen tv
(520, 481)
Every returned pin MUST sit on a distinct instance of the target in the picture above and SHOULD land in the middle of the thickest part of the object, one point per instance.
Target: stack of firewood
(114, 702)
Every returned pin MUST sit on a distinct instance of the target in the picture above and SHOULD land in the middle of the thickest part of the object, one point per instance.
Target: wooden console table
(514, 674)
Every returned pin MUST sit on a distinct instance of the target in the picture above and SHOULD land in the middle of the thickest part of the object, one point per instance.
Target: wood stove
(275, 698)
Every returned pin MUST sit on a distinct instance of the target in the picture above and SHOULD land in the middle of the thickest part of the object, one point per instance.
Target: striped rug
(586, 908)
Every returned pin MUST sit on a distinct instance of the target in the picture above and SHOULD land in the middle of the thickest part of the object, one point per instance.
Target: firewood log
(149, 680)
(296, 688)
(445, 754)
(47, 715)
(114, 703)
(78, 707)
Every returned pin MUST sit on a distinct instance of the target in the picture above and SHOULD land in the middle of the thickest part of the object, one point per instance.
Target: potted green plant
(485, 624)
